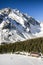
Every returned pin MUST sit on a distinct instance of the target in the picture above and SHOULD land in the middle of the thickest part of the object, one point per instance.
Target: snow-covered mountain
(17, 26)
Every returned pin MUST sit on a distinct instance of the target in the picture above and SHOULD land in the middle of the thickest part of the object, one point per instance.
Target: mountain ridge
(16, 26)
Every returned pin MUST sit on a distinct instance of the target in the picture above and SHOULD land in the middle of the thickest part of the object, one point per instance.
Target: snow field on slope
(14, 59)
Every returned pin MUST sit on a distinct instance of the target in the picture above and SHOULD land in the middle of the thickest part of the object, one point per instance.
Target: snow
(19, 26)
(16, 17)
(14, 59)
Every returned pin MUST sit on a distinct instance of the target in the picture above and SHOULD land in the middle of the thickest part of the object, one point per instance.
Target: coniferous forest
(35, 45)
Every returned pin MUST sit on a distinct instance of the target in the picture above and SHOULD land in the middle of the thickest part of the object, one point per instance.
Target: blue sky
(33, 8)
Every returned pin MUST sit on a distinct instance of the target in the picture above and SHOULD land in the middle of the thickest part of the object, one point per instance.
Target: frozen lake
(14, 59)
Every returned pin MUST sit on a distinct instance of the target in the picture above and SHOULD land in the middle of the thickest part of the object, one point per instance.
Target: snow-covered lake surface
(14, 59)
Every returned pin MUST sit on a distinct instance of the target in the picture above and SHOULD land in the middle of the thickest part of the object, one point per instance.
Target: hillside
(33, 45)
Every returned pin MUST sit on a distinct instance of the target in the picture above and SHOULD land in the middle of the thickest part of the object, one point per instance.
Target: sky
(33, 8)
